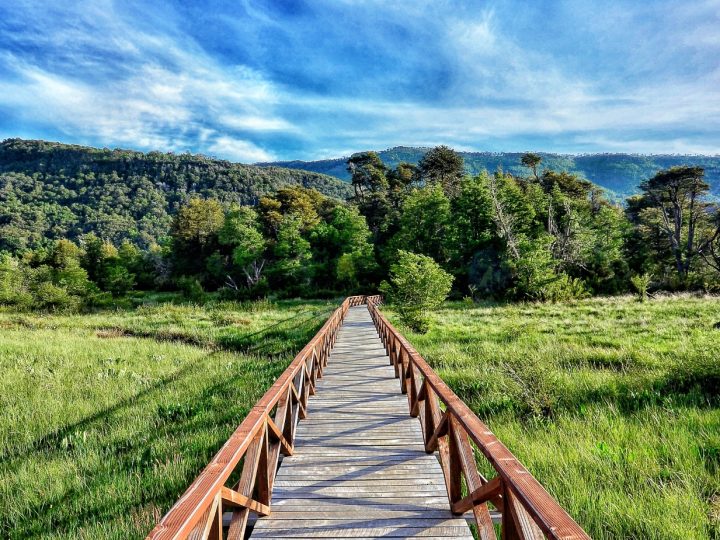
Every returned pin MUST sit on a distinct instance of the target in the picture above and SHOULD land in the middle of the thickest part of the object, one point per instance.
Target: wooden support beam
(440, 431)
(234, 499)
(275, 432)
(483, 494)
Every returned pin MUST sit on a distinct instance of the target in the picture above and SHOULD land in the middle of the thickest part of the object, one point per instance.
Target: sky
(265, 80)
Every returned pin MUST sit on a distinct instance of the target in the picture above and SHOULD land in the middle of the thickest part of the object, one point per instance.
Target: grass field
(613, 405)
(106, 418)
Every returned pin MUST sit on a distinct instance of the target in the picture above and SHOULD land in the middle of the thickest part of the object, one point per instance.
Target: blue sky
(261, 80)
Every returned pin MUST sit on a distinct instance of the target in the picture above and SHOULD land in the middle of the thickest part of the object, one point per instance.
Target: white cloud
(239, 150)
(171, 95)
(162, 90)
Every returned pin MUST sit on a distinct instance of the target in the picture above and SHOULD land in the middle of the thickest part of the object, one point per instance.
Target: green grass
(106, 418)
(612, 404)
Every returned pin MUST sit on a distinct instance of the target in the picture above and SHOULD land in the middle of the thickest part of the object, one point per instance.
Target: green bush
(191, 288)
(51, 296)
(417, 285)
(564, 288)
(641, 283)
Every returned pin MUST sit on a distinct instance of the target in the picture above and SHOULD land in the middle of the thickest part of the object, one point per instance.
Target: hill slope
(52, 190)
(618, 173)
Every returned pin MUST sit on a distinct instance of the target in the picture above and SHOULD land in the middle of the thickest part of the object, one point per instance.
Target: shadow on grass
(275, 339)
(216, 405)
(52, 441)
(74, 508)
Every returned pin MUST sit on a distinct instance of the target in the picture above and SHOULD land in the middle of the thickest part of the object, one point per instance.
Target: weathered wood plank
(372, 532)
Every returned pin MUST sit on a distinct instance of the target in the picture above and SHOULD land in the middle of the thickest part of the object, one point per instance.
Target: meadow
(614, 405)
(107, 417)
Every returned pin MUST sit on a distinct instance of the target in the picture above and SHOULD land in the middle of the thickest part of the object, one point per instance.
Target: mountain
(50, 190)
(618, 173)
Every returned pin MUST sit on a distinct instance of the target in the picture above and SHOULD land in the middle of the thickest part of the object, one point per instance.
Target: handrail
(448, 425)
(266, 432)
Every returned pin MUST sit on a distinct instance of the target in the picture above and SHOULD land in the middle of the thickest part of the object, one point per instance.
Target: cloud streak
(270, 80)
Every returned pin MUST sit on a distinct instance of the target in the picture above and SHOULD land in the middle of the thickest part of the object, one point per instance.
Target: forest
(83, 228)
(50, 191)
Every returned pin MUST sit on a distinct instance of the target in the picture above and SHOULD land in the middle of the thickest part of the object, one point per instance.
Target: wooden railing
(449, 427)
(253, 449)
(452, 429)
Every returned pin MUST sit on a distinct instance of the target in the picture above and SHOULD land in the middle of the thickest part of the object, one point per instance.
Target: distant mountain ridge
(620, 174)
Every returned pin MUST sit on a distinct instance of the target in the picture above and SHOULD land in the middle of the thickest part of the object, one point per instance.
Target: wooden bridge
(360, 466)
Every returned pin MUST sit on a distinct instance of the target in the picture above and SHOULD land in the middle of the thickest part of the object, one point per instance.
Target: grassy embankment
(106, 418)
(613, 405)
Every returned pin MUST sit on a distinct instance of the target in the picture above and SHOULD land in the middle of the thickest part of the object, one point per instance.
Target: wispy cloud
(167, 93)
(261, 80)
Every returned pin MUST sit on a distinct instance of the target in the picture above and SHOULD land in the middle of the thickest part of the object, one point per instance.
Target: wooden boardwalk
(357, 466)
(359, 469)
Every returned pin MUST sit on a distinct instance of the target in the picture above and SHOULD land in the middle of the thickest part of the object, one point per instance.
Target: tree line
(543, 235)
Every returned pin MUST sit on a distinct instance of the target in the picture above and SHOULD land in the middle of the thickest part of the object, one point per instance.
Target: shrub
(564, 288)
(417, 285)
(641, 282)
(191, 288)
(118, 281)
(49, 295)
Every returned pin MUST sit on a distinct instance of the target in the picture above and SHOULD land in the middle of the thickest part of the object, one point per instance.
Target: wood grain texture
(359, 468)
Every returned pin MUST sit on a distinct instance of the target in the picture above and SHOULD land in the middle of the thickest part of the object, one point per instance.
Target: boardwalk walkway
(359, 468)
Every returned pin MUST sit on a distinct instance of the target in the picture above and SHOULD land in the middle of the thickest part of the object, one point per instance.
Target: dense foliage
(50, 191)
(84, 235)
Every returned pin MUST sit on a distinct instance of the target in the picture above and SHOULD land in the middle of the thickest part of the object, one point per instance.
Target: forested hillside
(618, 173)
(51, 190)
(79, 225)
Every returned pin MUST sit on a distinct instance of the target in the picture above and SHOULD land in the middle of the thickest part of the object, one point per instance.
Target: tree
(198, 221)
(368, 174)
(425, 224)
(673, 200)
(348, 250)
(109, 268)
(709, 249)
(241, 232)
(307, 204)
(13, 281)
(292, 252)
(568, 184)
(472, 216)
(417, 285)
(194, 232)
(532, 161)
(444, 166)
(400, 181)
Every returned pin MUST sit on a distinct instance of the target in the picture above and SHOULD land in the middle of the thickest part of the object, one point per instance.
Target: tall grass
(106, 418)
(614, 405)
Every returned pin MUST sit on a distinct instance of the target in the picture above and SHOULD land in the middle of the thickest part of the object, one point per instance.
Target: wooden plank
(406, 480)
(372, 532)
(397, 503)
